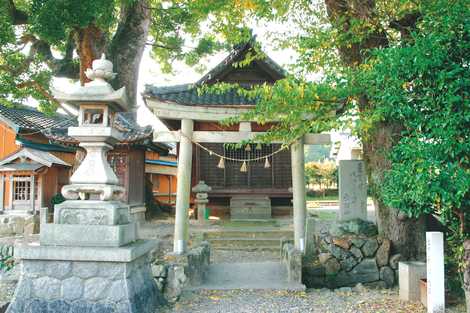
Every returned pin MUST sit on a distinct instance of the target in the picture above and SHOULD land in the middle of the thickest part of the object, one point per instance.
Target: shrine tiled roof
(189, 95)
(29, 119)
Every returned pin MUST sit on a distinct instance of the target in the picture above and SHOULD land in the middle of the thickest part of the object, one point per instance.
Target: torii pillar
(298, 193)
(183, 187)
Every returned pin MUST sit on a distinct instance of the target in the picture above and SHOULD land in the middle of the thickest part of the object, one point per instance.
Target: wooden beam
(232, 137)
(174, 111)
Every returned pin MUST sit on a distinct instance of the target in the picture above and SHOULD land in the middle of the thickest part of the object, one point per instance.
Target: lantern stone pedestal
(85, 279)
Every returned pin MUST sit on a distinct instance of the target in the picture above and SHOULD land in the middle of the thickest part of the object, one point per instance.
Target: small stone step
(274, 234)
(245, 244)
(260, 276)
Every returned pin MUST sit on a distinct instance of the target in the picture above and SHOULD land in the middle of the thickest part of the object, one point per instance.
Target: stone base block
(250, 207)
(88, 235)
(91, 212)
(409, 276)
(64, 286)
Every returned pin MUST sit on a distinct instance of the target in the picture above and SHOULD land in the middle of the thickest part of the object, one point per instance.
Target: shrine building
(270, 183)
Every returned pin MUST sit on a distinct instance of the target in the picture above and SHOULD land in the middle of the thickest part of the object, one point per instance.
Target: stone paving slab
(264, 275)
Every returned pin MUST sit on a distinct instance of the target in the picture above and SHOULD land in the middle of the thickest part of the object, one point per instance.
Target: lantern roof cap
(98, 90)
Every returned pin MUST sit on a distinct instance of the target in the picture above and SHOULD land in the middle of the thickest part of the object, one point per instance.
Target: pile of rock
(174, 272)
(348, 254)
(19, 225)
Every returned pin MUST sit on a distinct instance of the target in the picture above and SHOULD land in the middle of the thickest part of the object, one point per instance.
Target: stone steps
(259, 276)
(256, 234)
(247, 240)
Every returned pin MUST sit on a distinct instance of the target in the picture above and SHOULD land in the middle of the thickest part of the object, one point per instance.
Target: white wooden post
(435, 272)
(298, 192)
(11, 193)
(2, 190)
(32, 194)
(183, 187)
(40, 192)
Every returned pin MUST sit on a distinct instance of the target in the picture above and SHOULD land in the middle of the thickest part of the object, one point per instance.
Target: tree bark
(407, 235)
(90, 43)
(466, 274)
(128, 45)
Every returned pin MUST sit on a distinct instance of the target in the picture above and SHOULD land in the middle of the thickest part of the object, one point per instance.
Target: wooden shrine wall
(278, 176)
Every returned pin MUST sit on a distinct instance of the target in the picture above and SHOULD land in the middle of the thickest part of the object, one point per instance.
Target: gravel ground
(312, 301)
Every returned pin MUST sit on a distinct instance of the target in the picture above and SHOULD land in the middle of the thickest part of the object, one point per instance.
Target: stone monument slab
(352, 190)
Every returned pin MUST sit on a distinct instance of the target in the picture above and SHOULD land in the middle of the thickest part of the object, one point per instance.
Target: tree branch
(19, 17)
(44, 93)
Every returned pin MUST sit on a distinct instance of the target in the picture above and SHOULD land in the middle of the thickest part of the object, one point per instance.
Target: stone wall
(174, 272)
(292, 258)
(348, 253)
(78, 286)
(18, 225)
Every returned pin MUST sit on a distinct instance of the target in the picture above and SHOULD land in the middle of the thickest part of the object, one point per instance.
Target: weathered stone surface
(323, 257)
(383, 253)
(339, 253)
(366, 271)
(117, 291)
(159, 270)
(354, 227)
(348, 264)
(394, 259)
(72, 288)
(111, 271)
(85, 269)
(356, 252)
(388, 276)
(176, 281)
(358, 242)
(352, 190)
(96, 288)
(332, 266)
(58, 269)
(17, 224)
(370, 247)
(342, 242)
(46, 288)
(410, 274)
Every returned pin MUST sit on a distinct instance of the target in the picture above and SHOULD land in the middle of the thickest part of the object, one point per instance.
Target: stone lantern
(89, 258)
(201, 190)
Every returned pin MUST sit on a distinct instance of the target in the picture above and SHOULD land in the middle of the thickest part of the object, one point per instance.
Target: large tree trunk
(407, 235)
(466, 274)
(90, 43)
(128, 45)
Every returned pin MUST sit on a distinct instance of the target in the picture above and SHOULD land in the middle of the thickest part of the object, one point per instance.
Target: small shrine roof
(41, 157)
(261, 70)
(188, 95)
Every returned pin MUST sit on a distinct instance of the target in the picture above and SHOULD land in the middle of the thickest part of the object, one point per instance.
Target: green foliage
(55, 20)
(425, 87)
(7, 262)
(321, 174)
(57, 199)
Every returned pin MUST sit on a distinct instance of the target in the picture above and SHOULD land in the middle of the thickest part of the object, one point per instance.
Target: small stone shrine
(89, 258)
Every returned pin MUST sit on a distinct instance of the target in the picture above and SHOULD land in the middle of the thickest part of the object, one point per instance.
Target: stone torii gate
(186, 135)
